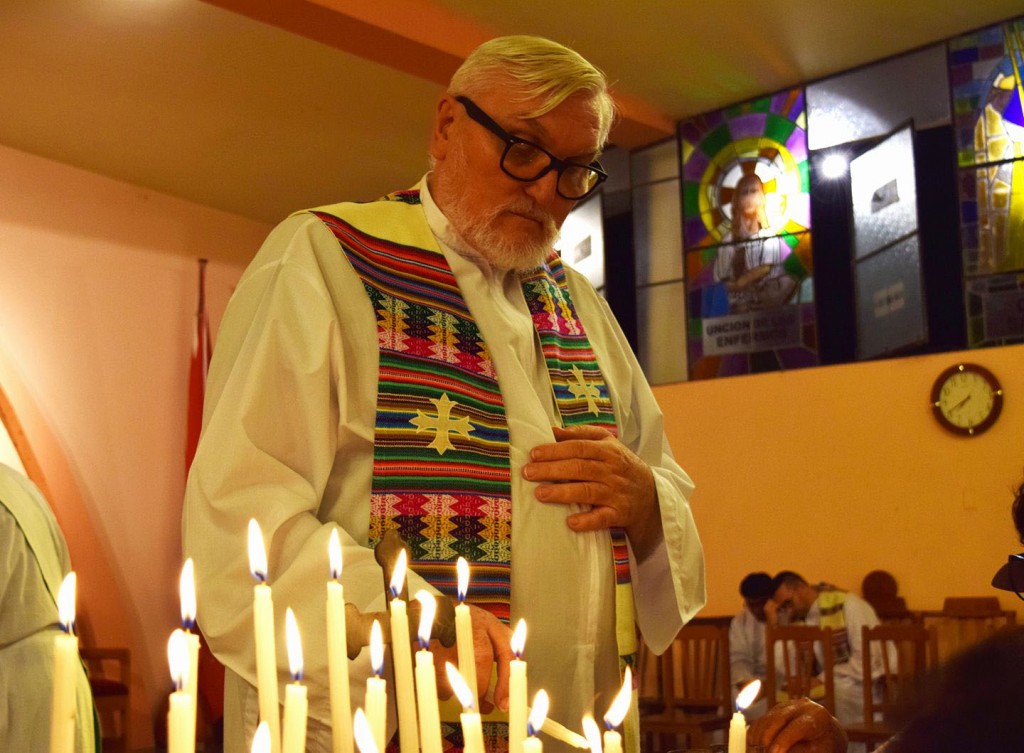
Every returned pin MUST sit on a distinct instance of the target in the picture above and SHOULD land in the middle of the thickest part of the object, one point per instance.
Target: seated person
(33, 562)
(973, 703)
(746, 639)
(846, 613)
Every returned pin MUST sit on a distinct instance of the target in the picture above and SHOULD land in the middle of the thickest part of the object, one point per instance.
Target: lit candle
(617, 712)
(426, 684)
(738, 724)
(181, 710)
(296, 702)
(464, 629)
(261, 740)
(538, 713)
(401, 657)
(517, 690)
(376, 688)
(363, 733)
(187, 590)
(263, 619)
(472, 730)
(592, 733)
(66, 666)
(337, 652)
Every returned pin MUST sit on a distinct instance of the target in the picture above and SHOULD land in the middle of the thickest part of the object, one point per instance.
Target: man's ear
(443, 119)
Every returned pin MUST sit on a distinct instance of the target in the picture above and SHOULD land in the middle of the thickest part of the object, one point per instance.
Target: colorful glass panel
(985, 71)
(748, 278)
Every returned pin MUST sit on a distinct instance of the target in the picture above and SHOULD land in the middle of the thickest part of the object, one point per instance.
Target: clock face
(966, 399)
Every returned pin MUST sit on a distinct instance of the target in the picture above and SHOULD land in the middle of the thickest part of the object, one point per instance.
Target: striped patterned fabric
(441, 456)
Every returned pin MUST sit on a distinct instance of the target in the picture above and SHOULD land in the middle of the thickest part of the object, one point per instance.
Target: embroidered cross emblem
(584, 389)
(442, 423)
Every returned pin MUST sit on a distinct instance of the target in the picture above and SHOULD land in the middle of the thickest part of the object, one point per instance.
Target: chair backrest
(902, 653)
(694, 671)
(966, 620)
(797, 656)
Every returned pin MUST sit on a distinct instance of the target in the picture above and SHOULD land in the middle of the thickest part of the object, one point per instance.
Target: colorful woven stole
(441, 469)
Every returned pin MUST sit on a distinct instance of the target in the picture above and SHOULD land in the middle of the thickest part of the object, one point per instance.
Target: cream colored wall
(97, 295)
(836, 471)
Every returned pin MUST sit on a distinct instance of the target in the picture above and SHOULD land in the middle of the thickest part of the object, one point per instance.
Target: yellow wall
(836, 471)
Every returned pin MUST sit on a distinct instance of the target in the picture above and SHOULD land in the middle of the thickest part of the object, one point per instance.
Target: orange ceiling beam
(420, 38)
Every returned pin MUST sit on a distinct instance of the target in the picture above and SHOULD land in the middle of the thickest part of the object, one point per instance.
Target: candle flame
(459, 686)
(538, 713)
(177, 658)
(66, 602)
(428, 608)
(187, 591)
(257, 552)
(334, 554)
(748, 694)
(398, 576)
(462, 568)
(363, 733)
(294, 640)
(518, 641)
(592, 733)
(261, 740)
(617, 711)
(377, 648)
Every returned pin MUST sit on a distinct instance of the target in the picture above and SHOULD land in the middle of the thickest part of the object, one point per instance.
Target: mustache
(529, 209)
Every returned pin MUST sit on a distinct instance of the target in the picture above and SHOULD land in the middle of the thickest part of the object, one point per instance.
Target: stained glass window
(746, 223)
(985, 69)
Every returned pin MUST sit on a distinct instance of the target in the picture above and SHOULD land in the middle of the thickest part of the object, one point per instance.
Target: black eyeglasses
(526, 161)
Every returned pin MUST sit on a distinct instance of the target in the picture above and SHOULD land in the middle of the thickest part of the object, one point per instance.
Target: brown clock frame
(997, 399)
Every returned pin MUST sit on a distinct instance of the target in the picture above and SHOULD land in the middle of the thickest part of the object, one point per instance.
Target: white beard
(479, 231)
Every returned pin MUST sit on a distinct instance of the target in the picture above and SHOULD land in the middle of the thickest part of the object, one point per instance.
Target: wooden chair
(904, 652)
(966, 620)
(797, 655)
(693, 681)
(109, 671)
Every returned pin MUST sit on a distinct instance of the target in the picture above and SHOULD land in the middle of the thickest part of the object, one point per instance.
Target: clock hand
(961, 403)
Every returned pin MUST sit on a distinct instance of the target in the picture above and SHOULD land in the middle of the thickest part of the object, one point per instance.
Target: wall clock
(967, 399)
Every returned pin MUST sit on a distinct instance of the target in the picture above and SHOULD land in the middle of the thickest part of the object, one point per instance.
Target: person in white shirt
(746, 639)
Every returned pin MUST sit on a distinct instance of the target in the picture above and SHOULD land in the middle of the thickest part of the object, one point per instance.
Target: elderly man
(33, 562)
(425, 364)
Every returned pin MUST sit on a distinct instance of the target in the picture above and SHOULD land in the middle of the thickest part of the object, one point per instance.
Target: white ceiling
(191, 99)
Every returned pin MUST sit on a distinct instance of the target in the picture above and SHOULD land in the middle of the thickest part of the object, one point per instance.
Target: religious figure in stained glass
(985, 69)
(746, 220)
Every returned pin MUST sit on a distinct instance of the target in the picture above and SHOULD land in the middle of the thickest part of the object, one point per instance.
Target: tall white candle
(296, 702)
(592, 733)
(472, 729)
(181, 710)
(464, 629)
(337, 653)
(426, 684)
(187, 590)
(517, 690)
(263, 621)
(617, 712)
(376, 688)
(401, 657)
(738, 723)
(66, 665)
(535, 722)
(363, 734)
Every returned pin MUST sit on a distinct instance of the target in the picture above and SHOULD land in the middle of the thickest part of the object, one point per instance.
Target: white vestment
(288, 439)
